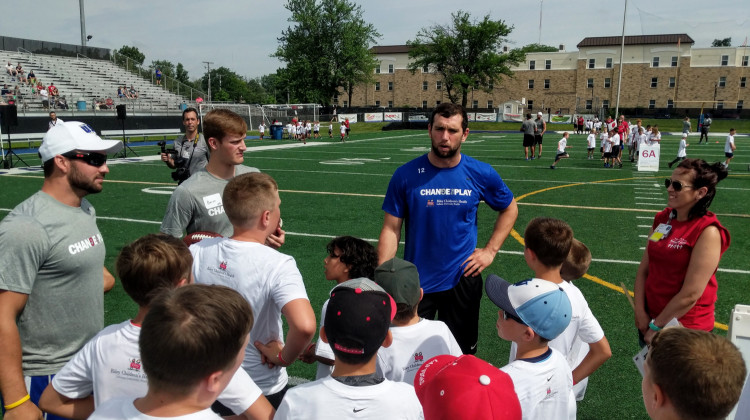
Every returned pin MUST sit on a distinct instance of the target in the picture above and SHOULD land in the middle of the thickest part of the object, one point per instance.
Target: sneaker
(552, 167)
(670, 165)
(527, 159)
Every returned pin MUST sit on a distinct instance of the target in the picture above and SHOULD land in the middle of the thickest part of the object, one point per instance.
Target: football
(195, 237)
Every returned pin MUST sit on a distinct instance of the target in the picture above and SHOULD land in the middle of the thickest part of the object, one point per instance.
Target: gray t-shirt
(539, 126)
(196, 205)
(54, 254)
(184, 149)
(528, 127)
(686, 126)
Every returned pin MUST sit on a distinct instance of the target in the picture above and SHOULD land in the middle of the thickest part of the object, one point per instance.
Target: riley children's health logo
(223, 265)
(135, 364)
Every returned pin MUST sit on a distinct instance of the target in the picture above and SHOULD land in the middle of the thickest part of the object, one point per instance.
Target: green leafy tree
(467, 54)
(134, 55)
(226, 85)
(181, 74)
(531, 48)
(326, 48)
(275, 93)
(726, 42)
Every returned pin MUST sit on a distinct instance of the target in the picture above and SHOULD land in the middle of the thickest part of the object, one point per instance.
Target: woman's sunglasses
(676, 185)
(93, 159)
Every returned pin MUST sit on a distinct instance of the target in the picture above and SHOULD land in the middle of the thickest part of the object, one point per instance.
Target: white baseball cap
(74, 135)
(539, 113)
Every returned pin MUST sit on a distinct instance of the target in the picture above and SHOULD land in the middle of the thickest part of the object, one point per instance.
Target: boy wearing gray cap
(415, 340)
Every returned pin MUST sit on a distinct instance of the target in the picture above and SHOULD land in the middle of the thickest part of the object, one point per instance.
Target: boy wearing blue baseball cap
(533, 312)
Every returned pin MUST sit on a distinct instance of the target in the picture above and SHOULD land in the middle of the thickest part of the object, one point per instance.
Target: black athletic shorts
(459, 309)
(538, 138)
(528, 140)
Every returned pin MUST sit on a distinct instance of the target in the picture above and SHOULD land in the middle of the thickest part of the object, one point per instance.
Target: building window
(654, 82)
(336, 99)
(670, 104)
(607, 82)
(722, 81)
(548, 64)
(390, 104)
(529, 105)
(491, 85)
(546, 83)
(437, 103)
(424, 85)
(743, 81)
(590, 83)
(744, 60)
(531, 83)
(390, 68)
(439, 85)
(490, 104)
(605, 104)
(532, 64)
(426, 69)
(377, 103)
(724, 60)
(671, 82)
(589, 104)
(390, 85)
(740, 104)
(652, 104)
(377, 69)
(674, 61)
(424, 104)
(608, 64)
(592, 63)
(377, 86)
(720, 105)
(346, 104)
(475, 104)
(655, 62)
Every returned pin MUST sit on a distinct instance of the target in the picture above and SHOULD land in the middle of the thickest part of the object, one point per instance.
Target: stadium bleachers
(88, 80)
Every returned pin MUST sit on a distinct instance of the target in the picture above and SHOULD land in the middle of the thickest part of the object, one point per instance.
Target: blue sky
(242, 34)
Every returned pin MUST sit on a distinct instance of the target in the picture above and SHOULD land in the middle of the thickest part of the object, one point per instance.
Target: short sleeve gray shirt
(528, 127)
(54, 253)
(196, 205)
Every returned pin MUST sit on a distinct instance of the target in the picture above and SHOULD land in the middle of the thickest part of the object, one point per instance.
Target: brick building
(659, 72)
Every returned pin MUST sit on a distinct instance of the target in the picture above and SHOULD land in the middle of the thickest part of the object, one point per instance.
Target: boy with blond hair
(191, 346)
(691, 375)
(110, 364)
(268, 279)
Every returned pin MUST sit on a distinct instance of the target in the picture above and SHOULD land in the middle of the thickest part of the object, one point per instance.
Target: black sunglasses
(676, 185)
(93, 159)
(507, 316)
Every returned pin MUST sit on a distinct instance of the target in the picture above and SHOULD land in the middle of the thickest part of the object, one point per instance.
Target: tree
(134, 55)
(166, 67)
(726, 42)
(181, 74)
(467, 54)
(328, 47)
(531, 48)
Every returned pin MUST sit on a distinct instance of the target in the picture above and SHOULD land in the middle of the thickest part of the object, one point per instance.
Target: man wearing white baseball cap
(51, 284)
(541, 128)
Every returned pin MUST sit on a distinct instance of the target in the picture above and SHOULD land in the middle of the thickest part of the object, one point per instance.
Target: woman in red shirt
(677, 274)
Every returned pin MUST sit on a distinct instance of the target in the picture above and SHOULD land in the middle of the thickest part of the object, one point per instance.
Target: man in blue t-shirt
(438, 196)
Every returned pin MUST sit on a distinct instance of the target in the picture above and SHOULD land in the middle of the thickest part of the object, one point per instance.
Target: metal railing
(169, 83)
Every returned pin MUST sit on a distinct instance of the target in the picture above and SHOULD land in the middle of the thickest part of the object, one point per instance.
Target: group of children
(221, 338)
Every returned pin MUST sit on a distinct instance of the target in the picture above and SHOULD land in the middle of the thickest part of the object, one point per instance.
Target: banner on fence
(352, 118)
(392, 116)
(420, 117)
(512, 117)
(485, 116)
(373, 117)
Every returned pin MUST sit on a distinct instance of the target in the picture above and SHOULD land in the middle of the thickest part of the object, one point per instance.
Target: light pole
(83, 23)
(208, 69)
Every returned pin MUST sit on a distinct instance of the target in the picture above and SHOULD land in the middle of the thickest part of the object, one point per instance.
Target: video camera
(181, 172)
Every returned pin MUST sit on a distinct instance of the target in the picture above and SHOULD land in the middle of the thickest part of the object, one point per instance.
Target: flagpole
(622, 51)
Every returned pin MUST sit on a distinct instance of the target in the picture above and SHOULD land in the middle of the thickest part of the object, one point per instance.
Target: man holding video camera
(190, 153)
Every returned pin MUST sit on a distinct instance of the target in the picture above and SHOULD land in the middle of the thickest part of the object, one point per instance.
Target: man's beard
(78, 181)
(445, 155)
